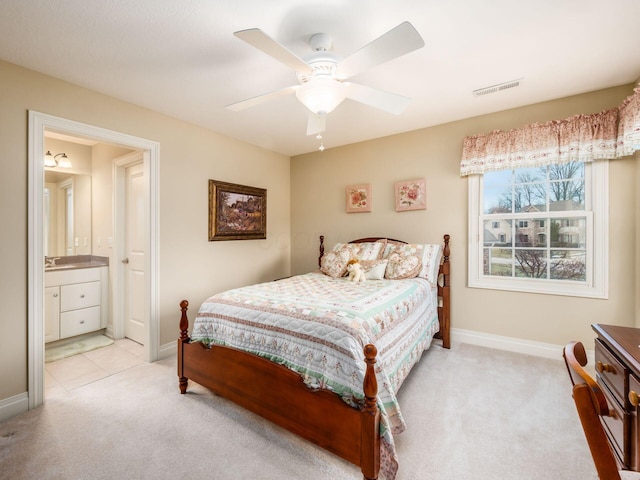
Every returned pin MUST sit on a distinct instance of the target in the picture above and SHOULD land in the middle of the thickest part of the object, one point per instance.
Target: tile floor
(64, 375)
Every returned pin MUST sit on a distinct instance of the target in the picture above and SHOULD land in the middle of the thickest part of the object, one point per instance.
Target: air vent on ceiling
(497, 88)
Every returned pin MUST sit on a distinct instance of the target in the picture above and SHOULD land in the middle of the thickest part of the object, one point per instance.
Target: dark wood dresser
(617, 356)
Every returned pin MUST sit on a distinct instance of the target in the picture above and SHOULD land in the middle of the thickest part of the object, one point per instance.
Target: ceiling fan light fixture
(321, 95)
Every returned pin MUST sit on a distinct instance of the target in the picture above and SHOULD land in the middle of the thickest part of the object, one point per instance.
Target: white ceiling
(181, 58)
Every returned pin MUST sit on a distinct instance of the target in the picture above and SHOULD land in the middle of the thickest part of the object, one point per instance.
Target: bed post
(444, 292)
(321, 250)
(370, 445)
(184, 338)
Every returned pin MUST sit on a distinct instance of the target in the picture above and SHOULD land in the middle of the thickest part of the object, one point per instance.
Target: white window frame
(597, 248)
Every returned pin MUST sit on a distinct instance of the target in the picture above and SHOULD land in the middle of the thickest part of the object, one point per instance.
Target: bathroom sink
(64, 266)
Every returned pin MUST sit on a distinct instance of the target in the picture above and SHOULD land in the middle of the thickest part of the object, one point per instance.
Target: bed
(279, 349)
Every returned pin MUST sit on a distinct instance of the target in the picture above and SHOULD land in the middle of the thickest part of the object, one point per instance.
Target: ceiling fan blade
(316, 123)
(263, 42)
(389, 102)
(250, 102)
(396, 42)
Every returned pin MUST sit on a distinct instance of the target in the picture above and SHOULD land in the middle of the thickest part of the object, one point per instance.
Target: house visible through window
(538, 228)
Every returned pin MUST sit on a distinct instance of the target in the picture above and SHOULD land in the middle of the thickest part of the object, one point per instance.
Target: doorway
(38, 124)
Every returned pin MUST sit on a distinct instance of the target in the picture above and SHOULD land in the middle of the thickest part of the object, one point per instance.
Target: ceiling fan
(323, 74)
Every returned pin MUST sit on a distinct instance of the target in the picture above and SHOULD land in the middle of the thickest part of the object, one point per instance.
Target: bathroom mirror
(67, 214)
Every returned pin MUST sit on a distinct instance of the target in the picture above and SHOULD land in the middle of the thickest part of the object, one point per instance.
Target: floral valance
(609, 134)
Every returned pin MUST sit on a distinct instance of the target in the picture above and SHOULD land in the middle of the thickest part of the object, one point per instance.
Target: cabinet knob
(82, 296)
(634, 399)
(55, 295)
(605, 367)
(81, 322)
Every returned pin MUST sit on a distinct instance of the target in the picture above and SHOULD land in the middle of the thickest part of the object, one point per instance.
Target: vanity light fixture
(52, 160)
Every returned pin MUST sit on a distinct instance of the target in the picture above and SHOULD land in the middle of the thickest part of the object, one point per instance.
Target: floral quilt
(318, 326)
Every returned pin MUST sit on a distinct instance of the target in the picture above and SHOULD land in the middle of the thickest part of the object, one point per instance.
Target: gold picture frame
(236, 212)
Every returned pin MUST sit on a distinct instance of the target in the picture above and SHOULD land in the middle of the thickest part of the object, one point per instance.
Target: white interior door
(134, 261)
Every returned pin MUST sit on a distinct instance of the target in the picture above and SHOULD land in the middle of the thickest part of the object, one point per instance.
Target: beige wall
(190, 266)
(318, 207)
(305, 199)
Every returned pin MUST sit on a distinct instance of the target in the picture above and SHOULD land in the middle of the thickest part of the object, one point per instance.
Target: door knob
(125, 260)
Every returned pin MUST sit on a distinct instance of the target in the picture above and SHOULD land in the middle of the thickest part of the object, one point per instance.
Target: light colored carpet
(472, 413)
(83, 345)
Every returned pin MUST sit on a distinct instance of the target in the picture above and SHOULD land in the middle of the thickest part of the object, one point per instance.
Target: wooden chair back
(591, 405)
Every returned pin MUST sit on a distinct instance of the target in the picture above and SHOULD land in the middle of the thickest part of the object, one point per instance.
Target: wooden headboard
(359, 240)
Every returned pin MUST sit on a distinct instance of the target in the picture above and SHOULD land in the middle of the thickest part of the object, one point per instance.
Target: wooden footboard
(279, 395)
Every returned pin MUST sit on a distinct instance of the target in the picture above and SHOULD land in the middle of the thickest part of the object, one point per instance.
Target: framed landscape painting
(358, 198)
(236, 212)
(411, 195)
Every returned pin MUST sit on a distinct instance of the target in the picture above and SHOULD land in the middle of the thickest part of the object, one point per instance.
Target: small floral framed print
(359, 198)
(411, 195)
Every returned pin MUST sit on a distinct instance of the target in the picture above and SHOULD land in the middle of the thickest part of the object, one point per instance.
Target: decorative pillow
(362, 251)
(390, 247)
(334, 264)
(402, 266)
(383, 241)
(429, 255)
(374, 269)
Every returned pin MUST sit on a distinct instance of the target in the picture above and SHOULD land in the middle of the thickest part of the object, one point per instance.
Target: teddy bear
(356, 274)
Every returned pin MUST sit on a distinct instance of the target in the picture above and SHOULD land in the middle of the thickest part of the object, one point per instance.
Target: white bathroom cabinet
(75, 302)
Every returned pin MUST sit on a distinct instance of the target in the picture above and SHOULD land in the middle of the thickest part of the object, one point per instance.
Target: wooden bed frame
(279, 394)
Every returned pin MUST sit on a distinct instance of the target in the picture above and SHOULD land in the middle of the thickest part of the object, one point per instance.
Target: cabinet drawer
(615, 428)
(67, 277)
(611, 372)
(79, 295)
(80, 321)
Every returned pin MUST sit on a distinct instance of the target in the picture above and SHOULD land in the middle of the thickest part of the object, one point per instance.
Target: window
(541, 229)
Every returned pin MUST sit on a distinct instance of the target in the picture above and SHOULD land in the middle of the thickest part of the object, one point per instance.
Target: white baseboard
(517, 345)
(168, 350)
(12, 406)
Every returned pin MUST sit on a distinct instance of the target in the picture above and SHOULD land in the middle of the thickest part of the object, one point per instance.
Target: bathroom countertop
(77, 261)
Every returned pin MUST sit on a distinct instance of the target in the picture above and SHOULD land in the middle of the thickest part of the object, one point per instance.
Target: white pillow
(374, 269)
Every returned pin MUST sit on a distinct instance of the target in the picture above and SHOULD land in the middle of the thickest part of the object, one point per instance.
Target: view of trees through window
(534, 222)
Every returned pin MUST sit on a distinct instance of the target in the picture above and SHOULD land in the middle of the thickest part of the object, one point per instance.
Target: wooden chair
(592, 405)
